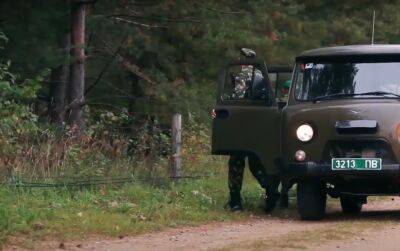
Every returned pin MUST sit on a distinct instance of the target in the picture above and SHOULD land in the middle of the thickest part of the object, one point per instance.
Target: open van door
(247, 118)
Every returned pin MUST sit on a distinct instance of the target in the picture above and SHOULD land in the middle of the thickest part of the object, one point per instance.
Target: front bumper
(317, 170)
(360, 182)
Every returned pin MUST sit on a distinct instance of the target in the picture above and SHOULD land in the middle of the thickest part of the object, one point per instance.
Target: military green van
(338, 133)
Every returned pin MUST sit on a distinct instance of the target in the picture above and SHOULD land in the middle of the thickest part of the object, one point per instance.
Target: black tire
(311, 200)
(351, 204)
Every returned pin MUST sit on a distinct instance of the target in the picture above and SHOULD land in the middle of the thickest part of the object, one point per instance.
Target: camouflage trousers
(236, 169)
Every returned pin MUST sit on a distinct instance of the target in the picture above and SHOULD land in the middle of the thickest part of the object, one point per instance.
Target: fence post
(176, 146)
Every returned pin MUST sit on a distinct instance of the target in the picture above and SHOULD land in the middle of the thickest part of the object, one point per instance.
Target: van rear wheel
(311, 200)
(352, 204)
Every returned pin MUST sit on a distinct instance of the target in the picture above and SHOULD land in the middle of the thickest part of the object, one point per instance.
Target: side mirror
(248, 53)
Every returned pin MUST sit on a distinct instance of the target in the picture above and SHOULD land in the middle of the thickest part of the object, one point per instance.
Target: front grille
(359, 149)
(356, 127)
(356, 130)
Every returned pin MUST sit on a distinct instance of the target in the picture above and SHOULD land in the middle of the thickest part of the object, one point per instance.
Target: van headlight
(305, 133)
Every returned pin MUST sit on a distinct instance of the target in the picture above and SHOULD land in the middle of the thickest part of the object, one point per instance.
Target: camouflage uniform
(242, 83)
(235, 178)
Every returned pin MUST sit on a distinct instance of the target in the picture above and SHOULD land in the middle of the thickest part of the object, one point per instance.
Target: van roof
(352, 51)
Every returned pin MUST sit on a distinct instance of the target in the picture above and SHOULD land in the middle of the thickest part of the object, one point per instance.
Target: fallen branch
(127, 64)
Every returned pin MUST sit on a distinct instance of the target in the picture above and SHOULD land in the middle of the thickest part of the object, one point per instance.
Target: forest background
(143, 61)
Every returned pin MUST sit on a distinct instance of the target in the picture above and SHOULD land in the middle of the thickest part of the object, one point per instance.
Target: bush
(18, 123)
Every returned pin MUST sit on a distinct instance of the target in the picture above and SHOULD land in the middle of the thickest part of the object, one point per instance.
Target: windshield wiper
(331, 96)
(342, 95)
(378, 93)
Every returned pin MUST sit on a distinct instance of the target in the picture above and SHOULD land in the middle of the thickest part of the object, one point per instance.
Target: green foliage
(18, 123)
(181, 44)
(194, 38)
(34, 30)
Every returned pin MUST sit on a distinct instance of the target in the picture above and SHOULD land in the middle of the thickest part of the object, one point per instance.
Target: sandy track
(387, 239)
(272, 232)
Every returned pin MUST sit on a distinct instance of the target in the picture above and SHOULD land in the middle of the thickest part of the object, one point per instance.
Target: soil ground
(377, 227)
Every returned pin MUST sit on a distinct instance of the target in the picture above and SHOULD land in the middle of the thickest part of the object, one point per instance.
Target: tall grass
(107, 149)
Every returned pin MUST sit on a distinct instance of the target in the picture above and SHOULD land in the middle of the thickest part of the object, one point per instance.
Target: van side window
(300, 94)
(245, 82)
(280, 82)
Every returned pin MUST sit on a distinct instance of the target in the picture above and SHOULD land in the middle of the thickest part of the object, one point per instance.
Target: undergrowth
(113, 143)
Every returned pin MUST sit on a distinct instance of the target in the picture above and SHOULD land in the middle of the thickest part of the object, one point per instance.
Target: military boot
(270, 201)
(235, 202)
(284, 200)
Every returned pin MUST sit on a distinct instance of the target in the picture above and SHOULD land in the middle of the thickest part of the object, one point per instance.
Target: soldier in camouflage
(249, 83)
(235, 179)
(242, 82)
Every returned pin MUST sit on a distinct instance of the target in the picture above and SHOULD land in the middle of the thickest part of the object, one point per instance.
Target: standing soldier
(249, 82)
(270, 183)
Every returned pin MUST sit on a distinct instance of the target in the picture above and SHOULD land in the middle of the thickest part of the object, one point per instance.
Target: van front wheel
(311, 200)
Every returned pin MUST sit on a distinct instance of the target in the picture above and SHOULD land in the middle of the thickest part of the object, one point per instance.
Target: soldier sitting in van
(249, 83)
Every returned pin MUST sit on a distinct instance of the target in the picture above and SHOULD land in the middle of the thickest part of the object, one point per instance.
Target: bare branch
(127, 64)
(113, 86)
(85, 1)
(148, 26)
(134, 69)
(229, 12)
(157, 18)
(103, 104)
(105, 68)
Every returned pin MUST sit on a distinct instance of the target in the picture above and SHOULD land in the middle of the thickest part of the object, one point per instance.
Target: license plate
(356, 164)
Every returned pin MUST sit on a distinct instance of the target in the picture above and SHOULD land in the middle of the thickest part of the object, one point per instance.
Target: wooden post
(176, 146)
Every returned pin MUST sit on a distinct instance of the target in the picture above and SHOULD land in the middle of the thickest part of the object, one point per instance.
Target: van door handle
(222, 113)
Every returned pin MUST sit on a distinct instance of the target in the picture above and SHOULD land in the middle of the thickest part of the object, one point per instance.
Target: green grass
(113, 211)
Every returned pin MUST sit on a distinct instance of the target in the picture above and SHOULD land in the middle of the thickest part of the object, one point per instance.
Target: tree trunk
(135, 92)
(77, 74)
(59, 78)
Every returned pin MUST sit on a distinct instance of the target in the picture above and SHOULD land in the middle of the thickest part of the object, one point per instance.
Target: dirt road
(376, 228)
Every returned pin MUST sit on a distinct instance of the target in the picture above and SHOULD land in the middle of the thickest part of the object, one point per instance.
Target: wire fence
(92, 182)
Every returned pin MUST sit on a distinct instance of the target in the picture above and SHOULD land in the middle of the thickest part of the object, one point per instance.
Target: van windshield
(314, 81)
